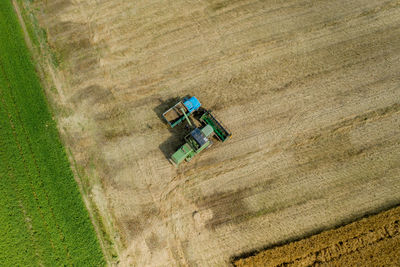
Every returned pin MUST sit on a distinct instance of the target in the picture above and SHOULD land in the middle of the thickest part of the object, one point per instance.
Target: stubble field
(309, 89)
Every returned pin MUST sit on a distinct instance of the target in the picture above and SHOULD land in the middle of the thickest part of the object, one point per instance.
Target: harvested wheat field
(309, 89)
(373, 241)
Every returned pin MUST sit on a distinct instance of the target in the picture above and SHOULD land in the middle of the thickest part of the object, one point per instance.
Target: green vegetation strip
(43, 218)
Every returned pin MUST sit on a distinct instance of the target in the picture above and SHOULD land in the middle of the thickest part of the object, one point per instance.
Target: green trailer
(221, 132)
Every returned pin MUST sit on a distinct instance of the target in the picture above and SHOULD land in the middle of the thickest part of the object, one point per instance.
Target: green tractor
(203, 127)
(196, 141)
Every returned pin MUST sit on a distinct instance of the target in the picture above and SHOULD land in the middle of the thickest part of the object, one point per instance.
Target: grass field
(43, 219)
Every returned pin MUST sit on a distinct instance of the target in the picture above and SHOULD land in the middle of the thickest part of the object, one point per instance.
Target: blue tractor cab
(192, 104)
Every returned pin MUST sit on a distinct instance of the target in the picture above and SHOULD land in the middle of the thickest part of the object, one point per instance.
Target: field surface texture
(43, 219)
(373, 241)
(309, 89)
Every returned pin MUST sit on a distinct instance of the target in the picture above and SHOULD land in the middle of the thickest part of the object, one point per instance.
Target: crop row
(44, 220)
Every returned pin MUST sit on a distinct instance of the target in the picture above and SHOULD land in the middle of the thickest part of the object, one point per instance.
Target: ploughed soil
(372, 241)
(310, 90)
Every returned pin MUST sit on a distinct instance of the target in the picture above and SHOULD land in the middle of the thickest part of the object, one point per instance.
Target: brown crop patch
(371, 241)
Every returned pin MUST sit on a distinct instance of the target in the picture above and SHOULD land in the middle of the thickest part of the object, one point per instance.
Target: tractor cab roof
(199, 137)
(192, 104)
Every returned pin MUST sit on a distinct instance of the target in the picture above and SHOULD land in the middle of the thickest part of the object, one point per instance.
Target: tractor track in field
(28, 141)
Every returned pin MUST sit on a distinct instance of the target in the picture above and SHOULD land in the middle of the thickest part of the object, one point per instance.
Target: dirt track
(310, 90)
(373, 241)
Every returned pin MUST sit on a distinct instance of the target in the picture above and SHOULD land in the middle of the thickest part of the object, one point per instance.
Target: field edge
(45, 61)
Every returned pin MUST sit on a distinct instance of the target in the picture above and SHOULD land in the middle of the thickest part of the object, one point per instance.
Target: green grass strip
(44, 220)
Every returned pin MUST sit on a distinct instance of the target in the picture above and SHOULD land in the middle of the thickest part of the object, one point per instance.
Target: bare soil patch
(309, 89)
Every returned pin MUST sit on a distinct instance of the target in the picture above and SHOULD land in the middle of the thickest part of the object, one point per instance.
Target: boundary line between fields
(108, 245)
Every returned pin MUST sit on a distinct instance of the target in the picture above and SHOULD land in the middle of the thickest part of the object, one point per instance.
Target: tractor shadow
(176, 140)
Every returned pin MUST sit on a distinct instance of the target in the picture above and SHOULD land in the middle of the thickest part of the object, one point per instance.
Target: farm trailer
(181, 111)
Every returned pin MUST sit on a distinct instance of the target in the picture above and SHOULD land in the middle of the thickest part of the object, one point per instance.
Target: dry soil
(310, 90)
